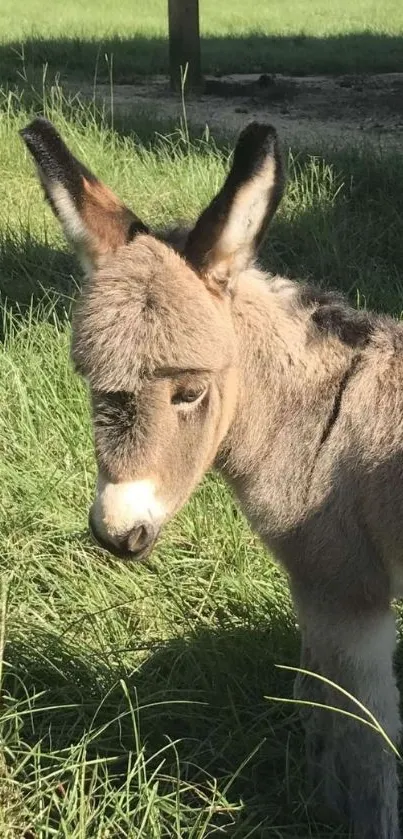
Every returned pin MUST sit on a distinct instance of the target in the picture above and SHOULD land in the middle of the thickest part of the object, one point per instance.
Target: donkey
(194, 358)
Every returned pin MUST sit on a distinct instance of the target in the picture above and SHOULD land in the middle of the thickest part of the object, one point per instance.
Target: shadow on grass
(206, 694)
(31, 271)
(360, 52)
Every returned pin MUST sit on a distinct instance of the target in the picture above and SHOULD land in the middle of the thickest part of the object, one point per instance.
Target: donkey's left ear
(92, 217)
(228, 233)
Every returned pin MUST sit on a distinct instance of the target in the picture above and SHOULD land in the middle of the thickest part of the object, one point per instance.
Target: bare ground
(341, 109)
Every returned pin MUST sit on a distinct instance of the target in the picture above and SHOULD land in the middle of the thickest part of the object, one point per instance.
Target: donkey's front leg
(323, 782)
(356, 653)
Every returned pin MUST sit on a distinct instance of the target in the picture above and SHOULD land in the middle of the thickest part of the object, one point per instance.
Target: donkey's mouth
(121, 552)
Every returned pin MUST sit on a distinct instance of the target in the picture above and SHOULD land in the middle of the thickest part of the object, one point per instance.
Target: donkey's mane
(333, 315)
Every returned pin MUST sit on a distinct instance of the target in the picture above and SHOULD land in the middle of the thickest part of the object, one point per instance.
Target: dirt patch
(342, 109)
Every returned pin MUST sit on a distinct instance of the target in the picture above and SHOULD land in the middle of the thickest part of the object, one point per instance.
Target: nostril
(140, 537)
(133, 544)
(137, 539)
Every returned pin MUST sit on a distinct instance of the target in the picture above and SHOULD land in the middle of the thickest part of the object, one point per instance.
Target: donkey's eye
(188, 395)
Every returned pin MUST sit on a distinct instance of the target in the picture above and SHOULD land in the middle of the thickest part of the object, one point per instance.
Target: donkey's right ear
(228, 233)
(92, 217)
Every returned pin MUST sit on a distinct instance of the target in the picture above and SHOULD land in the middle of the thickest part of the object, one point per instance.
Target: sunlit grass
(73, 38)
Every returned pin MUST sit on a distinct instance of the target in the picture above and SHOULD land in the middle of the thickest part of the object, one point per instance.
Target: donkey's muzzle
(136, 544)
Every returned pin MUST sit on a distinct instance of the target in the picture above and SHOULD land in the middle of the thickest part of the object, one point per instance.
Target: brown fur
(300, 407)
(107, 218)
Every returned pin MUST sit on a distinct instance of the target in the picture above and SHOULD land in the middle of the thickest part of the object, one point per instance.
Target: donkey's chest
(277, 500)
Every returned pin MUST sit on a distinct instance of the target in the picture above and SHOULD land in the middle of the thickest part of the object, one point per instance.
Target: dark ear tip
(257, 135)
(256, 143)
(36, 125)
(38, 131)
(257, 140)
(52, 157)
(261, 129)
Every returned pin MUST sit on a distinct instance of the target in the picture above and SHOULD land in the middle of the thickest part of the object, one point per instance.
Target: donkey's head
(153, 333)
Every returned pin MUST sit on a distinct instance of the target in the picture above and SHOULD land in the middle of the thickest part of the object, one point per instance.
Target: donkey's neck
(269, 339)
(288, 382)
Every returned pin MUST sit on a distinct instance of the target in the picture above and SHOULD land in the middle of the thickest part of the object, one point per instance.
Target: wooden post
(184, 42)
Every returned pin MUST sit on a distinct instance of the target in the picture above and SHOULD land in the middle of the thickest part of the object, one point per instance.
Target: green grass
(133, 697)
(73, 38)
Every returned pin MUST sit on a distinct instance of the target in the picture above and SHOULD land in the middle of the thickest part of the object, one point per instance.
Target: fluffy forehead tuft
(144, 310)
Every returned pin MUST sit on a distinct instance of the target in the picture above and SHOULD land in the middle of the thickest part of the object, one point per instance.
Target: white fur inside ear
(246, 215)
(71, 221)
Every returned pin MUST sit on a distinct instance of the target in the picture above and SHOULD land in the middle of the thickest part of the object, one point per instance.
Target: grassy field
(72, 39)
(135, 699)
